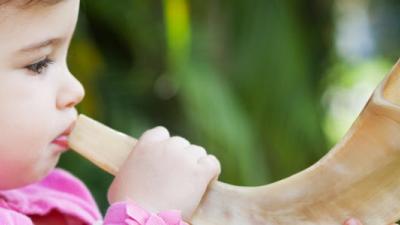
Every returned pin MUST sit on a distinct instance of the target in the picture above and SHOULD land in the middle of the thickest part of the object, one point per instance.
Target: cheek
(24, 143)
(26, 127)
(26, 132)
(27, 106)
(26, 120)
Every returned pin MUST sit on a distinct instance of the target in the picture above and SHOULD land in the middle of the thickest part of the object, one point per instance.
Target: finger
(196, 151)
(212, 164)
(154, 135)
(177, 142)
(352, 221)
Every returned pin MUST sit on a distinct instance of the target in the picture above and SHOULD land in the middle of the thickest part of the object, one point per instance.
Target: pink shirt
(62, 192)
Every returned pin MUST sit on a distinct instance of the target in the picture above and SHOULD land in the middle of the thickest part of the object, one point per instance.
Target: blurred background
(267, 86)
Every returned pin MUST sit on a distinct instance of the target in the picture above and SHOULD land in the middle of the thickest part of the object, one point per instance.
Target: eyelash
(38, 67)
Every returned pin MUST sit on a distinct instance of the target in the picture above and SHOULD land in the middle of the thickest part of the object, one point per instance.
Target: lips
(62, 139)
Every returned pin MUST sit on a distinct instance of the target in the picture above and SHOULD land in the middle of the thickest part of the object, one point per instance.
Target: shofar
(359, 177)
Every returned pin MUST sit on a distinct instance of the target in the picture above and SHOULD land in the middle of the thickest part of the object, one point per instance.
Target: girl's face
(38, 93)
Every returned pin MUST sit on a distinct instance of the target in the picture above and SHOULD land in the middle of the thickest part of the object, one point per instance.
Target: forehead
(21, 26)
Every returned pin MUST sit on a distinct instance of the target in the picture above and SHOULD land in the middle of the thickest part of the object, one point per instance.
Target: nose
(70, 93)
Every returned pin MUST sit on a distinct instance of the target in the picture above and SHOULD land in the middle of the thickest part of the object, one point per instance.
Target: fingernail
(352, 222)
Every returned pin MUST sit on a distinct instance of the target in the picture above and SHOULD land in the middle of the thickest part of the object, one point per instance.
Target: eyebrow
(39, 45)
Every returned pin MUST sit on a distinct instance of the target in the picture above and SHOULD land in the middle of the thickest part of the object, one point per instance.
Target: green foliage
(244, 79)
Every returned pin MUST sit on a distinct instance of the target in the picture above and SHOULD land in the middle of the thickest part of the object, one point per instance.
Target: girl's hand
(353, 221)
(163, 173)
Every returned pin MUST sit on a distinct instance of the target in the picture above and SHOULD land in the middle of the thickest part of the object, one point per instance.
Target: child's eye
(38, 67)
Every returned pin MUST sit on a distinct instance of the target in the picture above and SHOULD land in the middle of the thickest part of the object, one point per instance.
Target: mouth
(62, 140)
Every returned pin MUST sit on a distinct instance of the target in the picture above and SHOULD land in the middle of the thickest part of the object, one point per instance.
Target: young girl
(162, 181)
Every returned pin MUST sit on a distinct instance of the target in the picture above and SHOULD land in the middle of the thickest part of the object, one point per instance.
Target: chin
(28, 175)
(22, 181)
(42, 171)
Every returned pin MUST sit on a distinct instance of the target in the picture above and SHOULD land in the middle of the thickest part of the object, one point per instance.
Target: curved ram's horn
(359, 177)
